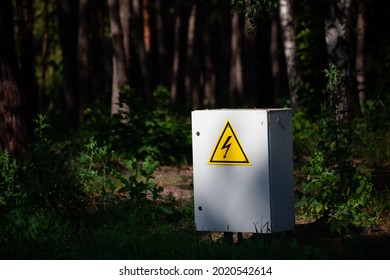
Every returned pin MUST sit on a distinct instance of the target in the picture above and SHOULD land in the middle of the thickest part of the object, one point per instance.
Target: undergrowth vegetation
(92, 195)
(336, 188)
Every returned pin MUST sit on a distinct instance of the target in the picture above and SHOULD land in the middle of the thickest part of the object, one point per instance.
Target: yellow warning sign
(228, 150)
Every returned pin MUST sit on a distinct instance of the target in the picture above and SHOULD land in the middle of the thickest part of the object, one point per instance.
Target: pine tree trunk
(223, 55)
(124, 14)
(176, 57)
(25, 22)
(359, 61)
(160, 34)
(251, 60)
(209, 99)
(192, 73)
(137, 13)
(119, 21)
(98, 63)
(45, 53)
(275, 60)
(68, 27)
(236, 84)
(83, 58)
(288, 34)
(14, 128)
(146, 26)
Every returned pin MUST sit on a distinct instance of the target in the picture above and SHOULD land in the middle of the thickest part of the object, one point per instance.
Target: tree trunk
(14, 128)
(223, 54)
(124, 14)
(209, 99)
(288, 34)
(83, 58)
(121, 46)
(161, 34)
(359, 61)
(45, 53)
(25, 19)
(191, 79)
(143, 58)
(97, 51)
(176, 57)
(236, 84)
(251, 60)
(275, 60)
(337, 35)
(68, 26)
(146, 25)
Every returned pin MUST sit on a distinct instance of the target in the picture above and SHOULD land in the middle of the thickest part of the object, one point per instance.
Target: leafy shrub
(47, 176)
(143, 128)
(156, 129)
(305, 134)
(10, 189)
(95, 169)
(36, 193)
(372, 131)
(140, 183)
(335, 189)
(43, 200)
(341, 201)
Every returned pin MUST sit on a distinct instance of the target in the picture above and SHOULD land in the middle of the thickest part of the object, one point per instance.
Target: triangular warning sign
(228, 150)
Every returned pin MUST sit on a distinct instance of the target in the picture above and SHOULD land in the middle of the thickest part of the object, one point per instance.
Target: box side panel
(231, 197)
(281, 171)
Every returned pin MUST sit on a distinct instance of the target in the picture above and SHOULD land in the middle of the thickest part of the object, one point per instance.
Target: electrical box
(243, 170)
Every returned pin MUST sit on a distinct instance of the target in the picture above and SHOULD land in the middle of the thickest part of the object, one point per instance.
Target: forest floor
(178, 183)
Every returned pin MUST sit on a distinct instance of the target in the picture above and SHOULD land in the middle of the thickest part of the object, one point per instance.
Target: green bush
(143, 128)
(342, 200)
(157, 130)
(37, 193)
(335, 189)
(372, 132)
(305, 135)
(140, 183)
(96, 169)
(43, 201)
(11, 193)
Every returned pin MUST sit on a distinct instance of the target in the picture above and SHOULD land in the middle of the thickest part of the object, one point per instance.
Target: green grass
(124, 230)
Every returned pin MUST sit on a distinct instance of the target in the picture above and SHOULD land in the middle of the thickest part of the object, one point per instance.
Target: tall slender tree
(175, 80)
(119, 13)
(275, 59)
(236, 84)
(147, 34)
(190, 80)
(44, 49)
(209, 78)
(14, 125)
(286, 15)
(138, 23)
(251, 62)
(68, 29)
(83, 48)
(98, 51)
(161, 7)
(223, 55)
(337, 34)
(25, 23)
(359, 60)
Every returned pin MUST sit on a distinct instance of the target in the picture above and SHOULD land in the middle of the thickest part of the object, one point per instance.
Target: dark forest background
(72, 55)
(95, 96)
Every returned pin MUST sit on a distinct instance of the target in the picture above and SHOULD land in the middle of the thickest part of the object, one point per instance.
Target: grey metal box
(243, 170)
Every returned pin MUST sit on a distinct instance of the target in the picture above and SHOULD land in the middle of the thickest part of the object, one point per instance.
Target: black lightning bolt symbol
(226, 146)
